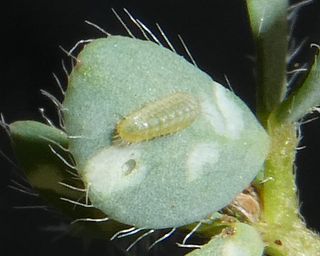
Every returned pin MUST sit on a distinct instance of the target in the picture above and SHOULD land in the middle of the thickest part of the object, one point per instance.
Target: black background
(218, 37)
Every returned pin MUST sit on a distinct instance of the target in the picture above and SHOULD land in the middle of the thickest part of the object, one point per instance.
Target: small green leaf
(31, 142)
(269, 26)
(238, 239)
(271, 251)
(304, 99)
(45, 171)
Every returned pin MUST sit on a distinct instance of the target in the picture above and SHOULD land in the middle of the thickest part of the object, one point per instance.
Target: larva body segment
(162, 117)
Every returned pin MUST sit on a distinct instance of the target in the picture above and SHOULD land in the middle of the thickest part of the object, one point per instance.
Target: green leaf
(271, 251)
(168, 175)
(269, 26)
(303, 100)
(31, 142)
(45, 171)
(238, 239)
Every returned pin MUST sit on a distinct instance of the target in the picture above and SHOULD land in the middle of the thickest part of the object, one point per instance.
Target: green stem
(282, 228)
(280, 191)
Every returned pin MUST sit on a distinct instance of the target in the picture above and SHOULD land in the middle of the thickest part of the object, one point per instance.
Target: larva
(162, 117)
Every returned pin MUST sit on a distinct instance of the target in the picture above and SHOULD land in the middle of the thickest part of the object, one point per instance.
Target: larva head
(202, 145)
(131, 131)
(126, 132)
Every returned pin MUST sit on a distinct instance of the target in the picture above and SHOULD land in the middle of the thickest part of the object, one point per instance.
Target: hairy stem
(282, 227)
(280, 190)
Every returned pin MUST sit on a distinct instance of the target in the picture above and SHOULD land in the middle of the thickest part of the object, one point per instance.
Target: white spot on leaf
(115, 169)
(202, 154)
(223, 113)
(232, 114)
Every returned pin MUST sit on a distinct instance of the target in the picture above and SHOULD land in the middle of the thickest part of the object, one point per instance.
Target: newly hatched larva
(162, 117)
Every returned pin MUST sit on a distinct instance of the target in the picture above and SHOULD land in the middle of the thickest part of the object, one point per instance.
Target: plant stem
(280, 191)
(281, 225)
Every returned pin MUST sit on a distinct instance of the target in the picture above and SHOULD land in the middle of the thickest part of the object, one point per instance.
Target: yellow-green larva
(162, 117)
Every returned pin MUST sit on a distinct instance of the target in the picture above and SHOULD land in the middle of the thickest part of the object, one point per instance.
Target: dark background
(218, 37)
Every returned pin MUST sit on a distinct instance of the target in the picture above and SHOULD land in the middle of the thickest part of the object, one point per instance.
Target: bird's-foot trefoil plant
(147, 141)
